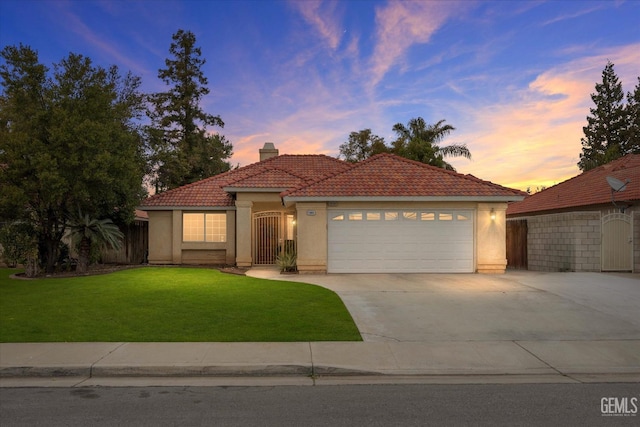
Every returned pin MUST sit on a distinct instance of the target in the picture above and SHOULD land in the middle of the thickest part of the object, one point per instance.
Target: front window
(204, 227)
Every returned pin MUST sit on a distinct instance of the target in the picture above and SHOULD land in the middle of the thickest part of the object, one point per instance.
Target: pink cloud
(321, 16)
(402, 24)
(533, 139)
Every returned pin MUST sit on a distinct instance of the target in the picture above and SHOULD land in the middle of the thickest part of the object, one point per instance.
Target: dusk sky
(513, 77)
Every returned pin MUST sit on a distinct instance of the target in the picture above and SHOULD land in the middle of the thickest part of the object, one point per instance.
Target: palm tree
(419, 141)
(85, 231)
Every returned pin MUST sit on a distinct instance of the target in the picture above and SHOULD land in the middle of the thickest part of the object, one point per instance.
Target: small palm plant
(85, 232)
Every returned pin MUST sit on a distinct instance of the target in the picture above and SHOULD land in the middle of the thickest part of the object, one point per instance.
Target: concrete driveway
(517, 306)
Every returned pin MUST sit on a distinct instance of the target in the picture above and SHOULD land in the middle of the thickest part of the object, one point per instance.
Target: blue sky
(513, 77)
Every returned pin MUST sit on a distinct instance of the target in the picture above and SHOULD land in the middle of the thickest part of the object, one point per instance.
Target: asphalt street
(345, 405)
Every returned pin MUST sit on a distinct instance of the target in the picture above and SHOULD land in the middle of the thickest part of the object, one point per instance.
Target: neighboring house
(575, 225)
(385, 214)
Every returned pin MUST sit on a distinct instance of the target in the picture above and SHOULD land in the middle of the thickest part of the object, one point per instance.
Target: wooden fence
(134, 247)
(517, 244)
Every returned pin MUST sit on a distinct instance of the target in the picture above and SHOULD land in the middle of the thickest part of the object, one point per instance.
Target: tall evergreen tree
(182, 151)
(632, 132)
(68, 141)
(604, 135)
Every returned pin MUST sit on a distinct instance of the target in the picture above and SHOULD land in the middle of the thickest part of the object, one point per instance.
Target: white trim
(294, 199)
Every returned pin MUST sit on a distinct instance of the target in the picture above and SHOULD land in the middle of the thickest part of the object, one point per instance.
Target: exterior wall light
(493, 214)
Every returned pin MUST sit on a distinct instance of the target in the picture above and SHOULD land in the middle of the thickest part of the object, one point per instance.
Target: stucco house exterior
(580, 224)
(385, 214)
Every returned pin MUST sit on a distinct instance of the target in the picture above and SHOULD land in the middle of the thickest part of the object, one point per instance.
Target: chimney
(268, 151)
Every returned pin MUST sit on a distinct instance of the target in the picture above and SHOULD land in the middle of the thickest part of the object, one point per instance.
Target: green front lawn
(158, 304)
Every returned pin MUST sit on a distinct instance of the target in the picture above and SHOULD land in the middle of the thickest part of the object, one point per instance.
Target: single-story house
(384, 214)
(581, 224)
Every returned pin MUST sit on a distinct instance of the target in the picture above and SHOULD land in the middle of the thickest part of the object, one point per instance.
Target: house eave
(277, 190)
(187, 208)
(500, 199)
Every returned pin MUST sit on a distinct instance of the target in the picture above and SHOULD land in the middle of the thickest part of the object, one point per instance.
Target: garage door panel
(406, 244)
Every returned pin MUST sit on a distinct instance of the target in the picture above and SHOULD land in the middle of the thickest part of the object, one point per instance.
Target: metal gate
(267, 237)
(617, 242)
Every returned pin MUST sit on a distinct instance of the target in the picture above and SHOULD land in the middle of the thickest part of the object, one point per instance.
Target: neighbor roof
(588, 188)
(389, 176)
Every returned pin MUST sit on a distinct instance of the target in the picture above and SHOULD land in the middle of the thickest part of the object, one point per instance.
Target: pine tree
(182, 149)
(632, 132)
(604, 135)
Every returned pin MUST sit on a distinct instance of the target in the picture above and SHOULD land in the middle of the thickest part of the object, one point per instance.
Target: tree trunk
(84, 252)
(49, 237)
(32, 267)
(50, 254)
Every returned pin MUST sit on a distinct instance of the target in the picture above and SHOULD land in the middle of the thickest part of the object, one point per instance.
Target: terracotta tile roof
(384, 175)
(286, 171)
(205, 193)
(588, 188)
(388, 175)
(269, 178)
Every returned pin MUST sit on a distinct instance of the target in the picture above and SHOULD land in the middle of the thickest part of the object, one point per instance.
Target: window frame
(222, 225)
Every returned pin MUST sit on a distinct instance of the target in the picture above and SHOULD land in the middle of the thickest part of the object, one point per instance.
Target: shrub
(19, 245)
(286, 261)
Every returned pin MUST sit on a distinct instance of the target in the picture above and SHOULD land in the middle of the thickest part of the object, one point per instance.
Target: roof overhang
(484, 199)
(187, 208)
(254, 190)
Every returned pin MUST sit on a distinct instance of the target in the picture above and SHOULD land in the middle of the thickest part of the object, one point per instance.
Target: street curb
(204, 371)
(275, 371)
(45, 371)
(159, 371)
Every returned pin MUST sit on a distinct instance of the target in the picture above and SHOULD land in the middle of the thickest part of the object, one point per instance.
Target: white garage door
(401, 241)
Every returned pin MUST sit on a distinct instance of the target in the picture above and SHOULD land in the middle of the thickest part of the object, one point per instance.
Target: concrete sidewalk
(556, 361)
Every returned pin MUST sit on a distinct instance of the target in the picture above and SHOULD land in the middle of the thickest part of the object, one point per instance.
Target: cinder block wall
(564, 242)
(636, 240)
